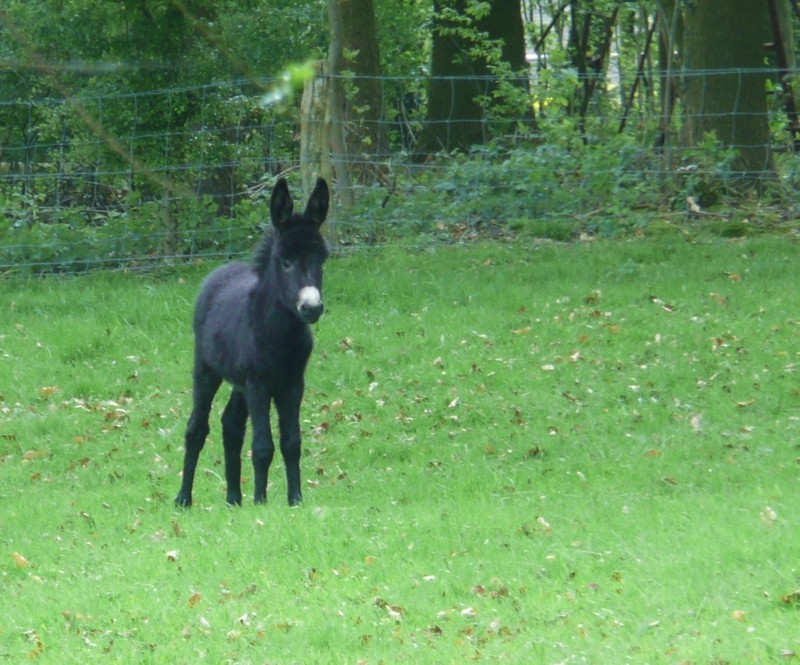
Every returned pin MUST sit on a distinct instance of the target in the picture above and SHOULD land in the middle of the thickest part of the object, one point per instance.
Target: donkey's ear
(280, 205)
(317, 207)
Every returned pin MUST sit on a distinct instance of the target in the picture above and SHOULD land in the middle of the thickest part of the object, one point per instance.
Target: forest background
(139, 131)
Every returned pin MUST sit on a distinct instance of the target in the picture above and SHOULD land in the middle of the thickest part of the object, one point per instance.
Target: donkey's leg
(234, 422)
(288, 405)
(206, 384)
(258, 405)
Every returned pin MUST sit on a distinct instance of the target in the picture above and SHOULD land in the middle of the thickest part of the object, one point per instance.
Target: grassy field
(541, 454)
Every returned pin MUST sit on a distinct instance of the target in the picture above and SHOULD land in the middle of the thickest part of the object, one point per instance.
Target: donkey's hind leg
(206, 384)
(234, 423)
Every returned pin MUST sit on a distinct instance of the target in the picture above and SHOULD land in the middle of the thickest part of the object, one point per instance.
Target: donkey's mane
(262, 255)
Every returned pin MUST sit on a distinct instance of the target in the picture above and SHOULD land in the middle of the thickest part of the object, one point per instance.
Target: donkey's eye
(286, 264)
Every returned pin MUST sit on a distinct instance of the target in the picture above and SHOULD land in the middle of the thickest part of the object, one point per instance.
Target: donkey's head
(299, 250)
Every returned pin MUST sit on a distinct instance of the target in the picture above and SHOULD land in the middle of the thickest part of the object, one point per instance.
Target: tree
(355, 94)
(589, 46)
(473, 43)
(670, 40)
(361, 62)
(726, 81)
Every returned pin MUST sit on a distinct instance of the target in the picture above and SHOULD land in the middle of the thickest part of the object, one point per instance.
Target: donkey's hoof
(234, 500)
(295, 500)
(183, 501)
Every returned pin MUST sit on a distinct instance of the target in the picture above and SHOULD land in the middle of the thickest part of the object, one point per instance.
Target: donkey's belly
(223, 336)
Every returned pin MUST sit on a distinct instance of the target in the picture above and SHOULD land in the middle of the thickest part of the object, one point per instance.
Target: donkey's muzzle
(309, 304)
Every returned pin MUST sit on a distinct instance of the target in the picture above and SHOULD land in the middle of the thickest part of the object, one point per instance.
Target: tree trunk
(366, 130)
(455, 117)
(670, 48)
(463, 79)
(589, 50)
(726, 81)
(783, 48)
(336, 105)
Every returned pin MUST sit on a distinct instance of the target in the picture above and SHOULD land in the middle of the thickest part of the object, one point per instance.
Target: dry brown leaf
(48, 391)
(792, 598)
(34, 454)
(20, 560)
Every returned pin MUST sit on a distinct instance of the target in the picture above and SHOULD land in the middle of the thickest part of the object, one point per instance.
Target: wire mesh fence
(120, 180)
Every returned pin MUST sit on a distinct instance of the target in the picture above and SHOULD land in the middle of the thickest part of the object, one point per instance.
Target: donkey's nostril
(311, 314)
(309, 304)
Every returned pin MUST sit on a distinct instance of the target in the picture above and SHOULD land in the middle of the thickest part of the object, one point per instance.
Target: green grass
(546, 454)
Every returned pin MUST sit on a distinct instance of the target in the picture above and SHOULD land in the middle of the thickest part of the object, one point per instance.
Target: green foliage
(512, 454)
(559, 190)
(137, 131)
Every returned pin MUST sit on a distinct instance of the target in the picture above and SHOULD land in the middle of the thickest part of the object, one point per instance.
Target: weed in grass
(547, 454)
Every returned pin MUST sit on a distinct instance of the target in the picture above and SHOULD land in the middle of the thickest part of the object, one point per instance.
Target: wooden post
(315, 157)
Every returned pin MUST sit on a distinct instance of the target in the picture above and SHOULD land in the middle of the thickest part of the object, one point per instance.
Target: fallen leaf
(34, 454)
(536, 451)
(20, 560)
(596, 295)
(195, 599)
(172, 555)
(48, 391)
(792, 598)
(768, 516)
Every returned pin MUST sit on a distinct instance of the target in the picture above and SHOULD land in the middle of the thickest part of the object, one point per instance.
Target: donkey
(252, 329)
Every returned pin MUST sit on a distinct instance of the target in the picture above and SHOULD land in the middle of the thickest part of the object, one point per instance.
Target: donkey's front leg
(288, 404)
(258, 405)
